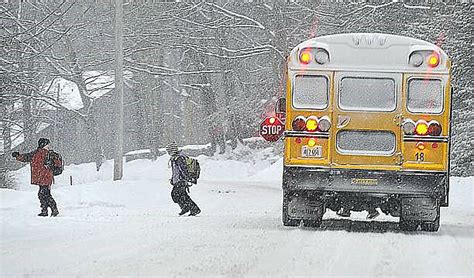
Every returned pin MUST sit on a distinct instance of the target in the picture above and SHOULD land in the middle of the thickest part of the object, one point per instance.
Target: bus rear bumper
(367, 182)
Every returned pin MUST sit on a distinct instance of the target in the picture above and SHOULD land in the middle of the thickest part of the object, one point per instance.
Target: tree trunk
(6, 136)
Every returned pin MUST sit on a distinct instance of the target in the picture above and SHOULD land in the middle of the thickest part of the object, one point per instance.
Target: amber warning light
(433, 60)
(305, 57)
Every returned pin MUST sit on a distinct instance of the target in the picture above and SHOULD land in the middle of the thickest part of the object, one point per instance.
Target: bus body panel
(435, 156)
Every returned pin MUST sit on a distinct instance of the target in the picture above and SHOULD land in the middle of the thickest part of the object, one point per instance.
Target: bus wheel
(312, 223)
(431, 226)
(408, 226)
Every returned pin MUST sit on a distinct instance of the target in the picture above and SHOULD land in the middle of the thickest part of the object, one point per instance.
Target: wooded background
(197, 72)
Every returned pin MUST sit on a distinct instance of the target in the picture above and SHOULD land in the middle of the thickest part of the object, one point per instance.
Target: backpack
(194, 169)
(54, 161)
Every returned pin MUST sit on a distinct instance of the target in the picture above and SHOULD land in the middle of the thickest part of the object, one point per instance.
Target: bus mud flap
(424, 209)
(303, 208)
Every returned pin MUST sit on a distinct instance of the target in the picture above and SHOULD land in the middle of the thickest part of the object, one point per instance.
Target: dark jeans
(46, 200)
(180, 196)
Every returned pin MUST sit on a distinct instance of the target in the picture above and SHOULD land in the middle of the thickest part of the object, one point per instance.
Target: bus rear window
(366, 142)
(367, 94)
(310, 92)
(425, 96)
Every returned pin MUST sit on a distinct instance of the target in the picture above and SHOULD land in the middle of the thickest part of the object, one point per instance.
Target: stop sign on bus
(271, 129)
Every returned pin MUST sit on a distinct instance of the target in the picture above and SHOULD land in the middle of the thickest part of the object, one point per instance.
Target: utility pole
(56, 117)
(118, 158)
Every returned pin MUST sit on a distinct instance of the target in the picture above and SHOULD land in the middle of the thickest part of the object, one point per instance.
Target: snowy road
(132, 228)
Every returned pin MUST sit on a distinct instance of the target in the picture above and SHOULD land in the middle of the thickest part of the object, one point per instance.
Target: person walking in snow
(179, 181)
(372, 211)
(41, 175)
(345, 210)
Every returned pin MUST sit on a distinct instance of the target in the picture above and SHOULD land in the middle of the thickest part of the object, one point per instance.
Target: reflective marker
(420, 146)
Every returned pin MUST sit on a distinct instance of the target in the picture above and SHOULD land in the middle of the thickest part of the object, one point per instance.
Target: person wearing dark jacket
(179, 180)
(41, 175)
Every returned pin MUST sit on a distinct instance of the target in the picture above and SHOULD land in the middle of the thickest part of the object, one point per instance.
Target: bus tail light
(421, 127)
(312, 123)
(408, 127)
(299, 123)
(416, 59)
(433, 60)
(312, 142)
(306, 56)
(434, 128)
(321, 56)
(324, 124)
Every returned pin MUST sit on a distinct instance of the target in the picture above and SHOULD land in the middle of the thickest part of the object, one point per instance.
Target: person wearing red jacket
(41, 175)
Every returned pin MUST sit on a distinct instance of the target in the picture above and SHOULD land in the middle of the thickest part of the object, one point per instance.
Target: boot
(372, 214)
(44, 212)
(184, 211)
(54, 212)
(344, 212)
(195, 211)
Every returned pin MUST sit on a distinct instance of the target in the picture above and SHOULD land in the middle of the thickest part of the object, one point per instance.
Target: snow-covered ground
(131, 228)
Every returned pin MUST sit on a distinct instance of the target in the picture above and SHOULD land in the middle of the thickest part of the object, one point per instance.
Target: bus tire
(312, 223)
(431, 226)
(408, 225)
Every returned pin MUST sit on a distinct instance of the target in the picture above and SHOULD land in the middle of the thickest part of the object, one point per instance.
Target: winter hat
(42, 142)
(172, 148)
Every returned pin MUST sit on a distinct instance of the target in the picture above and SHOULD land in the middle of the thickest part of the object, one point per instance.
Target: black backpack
(54, 161)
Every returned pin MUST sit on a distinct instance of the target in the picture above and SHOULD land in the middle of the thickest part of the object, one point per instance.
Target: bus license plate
(316, 151)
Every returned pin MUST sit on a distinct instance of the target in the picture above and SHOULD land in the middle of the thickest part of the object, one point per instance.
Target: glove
(15, 154)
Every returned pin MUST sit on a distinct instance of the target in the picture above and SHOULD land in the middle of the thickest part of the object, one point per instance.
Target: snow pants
(46, 199)
(180, 196)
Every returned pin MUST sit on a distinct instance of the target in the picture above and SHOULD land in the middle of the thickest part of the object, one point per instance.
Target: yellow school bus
(367, 128)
